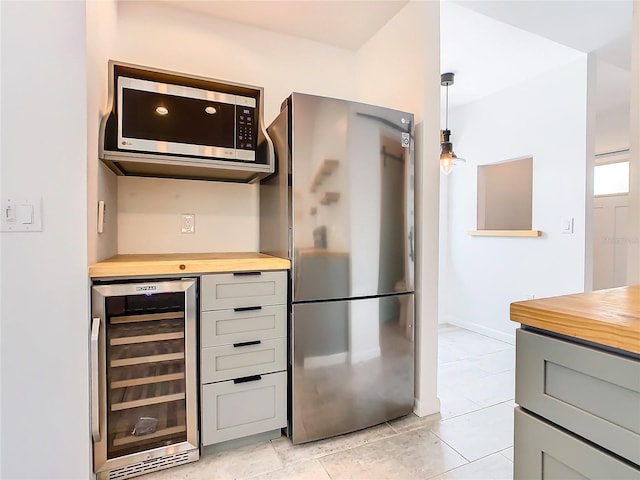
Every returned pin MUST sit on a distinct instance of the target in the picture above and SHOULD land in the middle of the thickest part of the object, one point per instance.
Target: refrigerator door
(352, 196)
(352, 365)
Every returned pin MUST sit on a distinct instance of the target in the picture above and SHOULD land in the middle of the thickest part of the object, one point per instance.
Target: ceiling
(586, 25)
(493, 44)
(488, 44)
(344, 23)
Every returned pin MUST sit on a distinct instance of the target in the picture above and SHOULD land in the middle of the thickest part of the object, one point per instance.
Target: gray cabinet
(580, 410)
(243, 290)
(544, 451)
(243, 356)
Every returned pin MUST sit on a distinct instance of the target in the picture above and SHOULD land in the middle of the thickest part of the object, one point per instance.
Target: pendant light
(447, 158)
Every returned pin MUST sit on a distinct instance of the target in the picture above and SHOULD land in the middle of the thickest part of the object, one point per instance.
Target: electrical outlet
(188, 223)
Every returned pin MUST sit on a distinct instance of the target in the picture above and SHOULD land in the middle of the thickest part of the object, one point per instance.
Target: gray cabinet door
(225, 327)
(227, 362)
(542, 451)
(233, 410)
(588, 391)
(243, 289)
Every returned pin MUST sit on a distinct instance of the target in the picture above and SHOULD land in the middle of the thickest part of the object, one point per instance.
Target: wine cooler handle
(95, 400)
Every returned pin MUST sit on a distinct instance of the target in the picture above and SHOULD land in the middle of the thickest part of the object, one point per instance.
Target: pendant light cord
(446, 112)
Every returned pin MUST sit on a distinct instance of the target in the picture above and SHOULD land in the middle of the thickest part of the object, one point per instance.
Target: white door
(610, 241)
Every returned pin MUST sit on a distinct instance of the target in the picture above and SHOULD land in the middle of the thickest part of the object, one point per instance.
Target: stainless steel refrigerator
(340, 207)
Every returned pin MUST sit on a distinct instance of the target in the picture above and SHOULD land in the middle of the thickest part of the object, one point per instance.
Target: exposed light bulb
(446, 163)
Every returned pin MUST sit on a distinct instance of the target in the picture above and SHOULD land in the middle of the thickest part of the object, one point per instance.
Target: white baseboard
(444, 319)
(483, 330)
(325, 360)
(428, 407)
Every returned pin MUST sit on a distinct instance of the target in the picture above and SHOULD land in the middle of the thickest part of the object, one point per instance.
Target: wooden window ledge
(505, 233)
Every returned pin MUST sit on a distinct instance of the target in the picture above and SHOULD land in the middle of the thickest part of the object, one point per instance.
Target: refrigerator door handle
(95, 405)
(411, 244)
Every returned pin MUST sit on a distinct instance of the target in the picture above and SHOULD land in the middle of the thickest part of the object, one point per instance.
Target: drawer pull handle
(252, 378)
(246, 344)
(246, 309)
(246, 274)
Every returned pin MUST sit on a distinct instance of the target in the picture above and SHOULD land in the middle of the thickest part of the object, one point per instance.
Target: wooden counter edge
(610, 334)
(186, 267)
(505, 233)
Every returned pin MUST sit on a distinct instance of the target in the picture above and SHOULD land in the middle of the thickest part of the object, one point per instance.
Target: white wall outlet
(188, 223)
(530, 296)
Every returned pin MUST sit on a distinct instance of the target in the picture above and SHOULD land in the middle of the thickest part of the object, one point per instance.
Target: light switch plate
(566, 225)
(21, 214)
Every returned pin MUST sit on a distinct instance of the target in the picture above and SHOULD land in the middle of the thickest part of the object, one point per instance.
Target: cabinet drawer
(233, 410)
(244, 289)
(228, 361)
(223, 327)
(588, 391)
(542, 451)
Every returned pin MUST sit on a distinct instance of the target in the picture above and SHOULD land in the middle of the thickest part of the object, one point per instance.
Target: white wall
(149, 216)
(546, 118)
(612, 130)
(171, 38)
(612, 105)
(633, 252)
(101, 182)
(45, 377)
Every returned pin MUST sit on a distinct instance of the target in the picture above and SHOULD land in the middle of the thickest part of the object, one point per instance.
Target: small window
(611, 179)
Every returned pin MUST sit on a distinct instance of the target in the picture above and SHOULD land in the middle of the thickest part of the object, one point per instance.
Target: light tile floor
(471, 438)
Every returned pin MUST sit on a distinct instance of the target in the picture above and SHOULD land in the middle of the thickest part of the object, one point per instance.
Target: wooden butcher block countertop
(608, 317)
(185, 263)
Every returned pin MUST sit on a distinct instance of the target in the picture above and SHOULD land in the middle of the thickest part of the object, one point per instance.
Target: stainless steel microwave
(168, 124)
(164, 118)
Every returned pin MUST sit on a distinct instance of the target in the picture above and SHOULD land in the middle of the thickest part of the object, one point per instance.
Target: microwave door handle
(95, 403)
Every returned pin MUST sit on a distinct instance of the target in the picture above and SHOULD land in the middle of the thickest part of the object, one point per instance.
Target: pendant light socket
(446, 79)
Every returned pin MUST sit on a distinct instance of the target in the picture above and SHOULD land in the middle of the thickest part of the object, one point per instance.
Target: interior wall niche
(505, 192)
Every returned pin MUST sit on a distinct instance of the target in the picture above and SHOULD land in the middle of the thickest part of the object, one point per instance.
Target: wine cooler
(144, 384)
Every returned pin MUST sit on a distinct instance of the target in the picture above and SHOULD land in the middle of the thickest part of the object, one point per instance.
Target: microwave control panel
(246, 128)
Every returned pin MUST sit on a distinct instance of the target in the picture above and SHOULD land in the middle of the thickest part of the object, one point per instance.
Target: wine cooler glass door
(148, 381)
